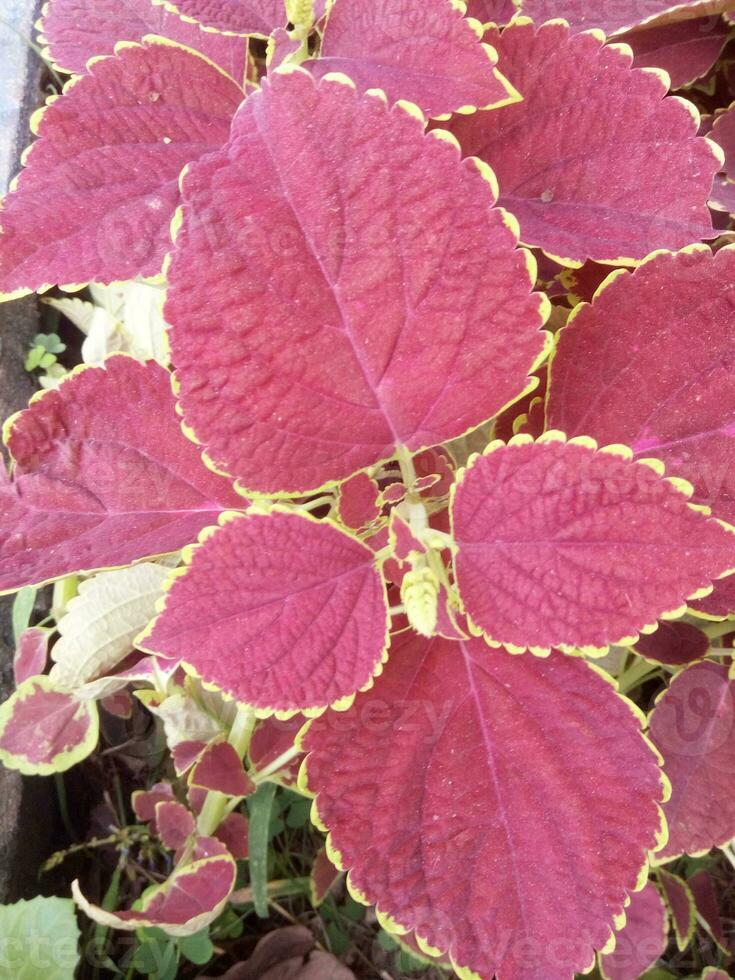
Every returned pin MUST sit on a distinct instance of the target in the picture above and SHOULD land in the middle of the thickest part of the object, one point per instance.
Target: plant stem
(715, 630)
(283, 759)
(64, 591)
(634, 675)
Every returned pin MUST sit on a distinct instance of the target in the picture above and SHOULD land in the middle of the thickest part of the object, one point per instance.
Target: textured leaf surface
(680, 903)
(31, 653)
(357, 504)
(693, 726)
(47, 926)
(613, 17)
(100, 186)
(175, 824)
(233, 16)
(720, 603)
(103, 476)
(43, 730)
(685, 50)
(708, 903)
(583, 548)
(454, 853)
(220, 770)
(189, 900)
(101, 622)
(427, 53)
(77, 30)
(642, 940)
(491, 11)
(279, 611)
(331, 322)
(675, 644)
(649, 364)
(579, 189)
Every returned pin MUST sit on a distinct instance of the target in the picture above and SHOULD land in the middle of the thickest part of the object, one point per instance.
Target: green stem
(283, 759)
(634, 675)
(715, 630)
(215, 806)
(327, 499)
(64, 591)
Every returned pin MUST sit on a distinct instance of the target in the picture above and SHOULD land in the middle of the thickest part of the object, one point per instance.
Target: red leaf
(100, 186)
(44, 731)
(357, 504)
(278, 610)
(31, 653)
(693, 726)
(581, 190)
(720, 603)
(585, 548)
(244, 17)
(185, 754)
(189, 900)
(680, 902)
(333, 323)
(707, 902)
(271, 739)
(175, 824)
(119, 704)
(103, 476)
(322, 877)
(144, 802)
(77, 30)
(220, 769)
(612, 18)
(642, 940)
(649, 365)
(402, 539)
(675, 644)
(427, 53)
(491, 11)
(516, 876)
(685, 50)
(233, 832)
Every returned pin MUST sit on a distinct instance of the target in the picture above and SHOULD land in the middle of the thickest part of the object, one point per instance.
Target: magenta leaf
(584, 548)
(617, 16)
(642, 940)
(720, 603)
(76, 30)
(185, 754)
(103, 476)
(123, 133)
(648, 365)
(220, 770)
(194, 895)
(685, 50)
(681, 906)
(43, 730)
(279, 611)
(175, 824)
(581, 190)
(272, 738)
(357, 504)
(708, 903)
(427, 53)
(322, 877)
(240, 17)
(31, 653)
(454, 854)
(144, 802)
(693, 726)
(491, 11)
(233, 832)
(674, 644)
(331, 325)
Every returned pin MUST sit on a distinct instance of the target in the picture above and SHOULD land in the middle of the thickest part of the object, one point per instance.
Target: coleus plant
(376, 536)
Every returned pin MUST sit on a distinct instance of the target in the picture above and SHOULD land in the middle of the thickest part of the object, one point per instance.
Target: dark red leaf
(642, 940)
(584, 548)
(175, 824)
(220, 770)
(685, 50)
(331, 319)
(100, 185)
(279, 611)
(233, 832)
(419, 786)
(708, 904)
(680, 902)
(77, 30)
(619, 15)
(103, 476)
(675, 644)
(581, 190)
(693, 726)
